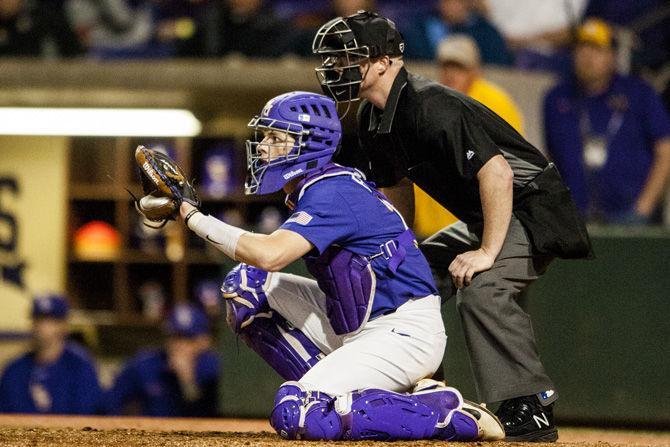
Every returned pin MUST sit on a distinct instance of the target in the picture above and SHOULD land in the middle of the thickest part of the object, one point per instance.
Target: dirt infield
(71, 431)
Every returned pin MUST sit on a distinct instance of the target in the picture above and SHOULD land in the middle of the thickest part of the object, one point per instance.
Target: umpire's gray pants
(498, 333)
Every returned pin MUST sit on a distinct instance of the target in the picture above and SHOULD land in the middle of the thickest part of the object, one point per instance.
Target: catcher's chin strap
(146, 221)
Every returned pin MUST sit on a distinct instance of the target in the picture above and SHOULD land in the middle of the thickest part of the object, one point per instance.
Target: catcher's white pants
(391, 352)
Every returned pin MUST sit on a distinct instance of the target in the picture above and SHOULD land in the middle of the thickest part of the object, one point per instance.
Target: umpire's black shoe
(526, 420)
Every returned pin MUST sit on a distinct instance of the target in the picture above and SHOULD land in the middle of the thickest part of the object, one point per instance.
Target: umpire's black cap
(378, 33)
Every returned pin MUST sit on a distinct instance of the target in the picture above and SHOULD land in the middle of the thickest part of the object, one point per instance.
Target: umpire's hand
(465, 265)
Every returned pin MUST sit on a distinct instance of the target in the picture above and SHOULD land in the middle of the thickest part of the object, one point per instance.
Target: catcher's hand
(165, 186)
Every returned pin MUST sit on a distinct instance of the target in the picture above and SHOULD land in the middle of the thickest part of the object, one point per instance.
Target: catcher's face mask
(275, 143)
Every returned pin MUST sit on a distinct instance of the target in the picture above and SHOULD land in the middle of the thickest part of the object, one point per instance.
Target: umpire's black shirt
(440, 139)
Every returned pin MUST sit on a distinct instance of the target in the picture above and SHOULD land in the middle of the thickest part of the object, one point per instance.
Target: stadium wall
(601, 325)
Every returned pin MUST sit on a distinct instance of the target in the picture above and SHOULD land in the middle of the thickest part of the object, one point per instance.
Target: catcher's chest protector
(348, 279)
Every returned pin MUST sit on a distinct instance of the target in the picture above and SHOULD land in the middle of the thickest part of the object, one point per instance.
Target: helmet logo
(304, 118)
(401, 47)
(291, 174)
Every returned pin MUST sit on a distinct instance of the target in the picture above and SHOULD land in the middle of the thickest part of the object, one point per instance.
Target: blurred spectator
(111, 27)
(309, 22)
(460, 69)
(455, 17)
(247, 27)
(55, 377)
(648, 20)
(139, 29)
(179, 380)
(608, 134)
(539, 33)
(179, 28)
(344, 8)
(36, 28)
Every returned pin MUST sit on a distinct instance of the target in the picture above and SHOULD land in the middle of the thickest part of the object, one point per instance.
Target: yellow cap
(596, 32)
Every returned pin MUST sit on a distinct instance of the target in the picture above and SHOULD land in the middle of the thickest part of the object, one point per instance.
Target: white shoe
(427, 384)
(490, 428)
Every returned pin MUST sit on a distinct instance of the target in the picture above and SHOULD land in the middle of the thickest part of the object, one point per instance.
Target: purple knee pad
(363, 415)
(243, 291)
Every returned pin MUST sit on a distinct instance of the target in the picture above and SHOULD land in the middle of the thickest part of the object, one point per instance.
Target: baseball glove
(165, 186)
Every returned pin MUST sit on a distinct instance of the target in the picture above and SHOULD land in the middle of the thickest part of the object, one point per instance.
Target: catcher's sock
(526, 419)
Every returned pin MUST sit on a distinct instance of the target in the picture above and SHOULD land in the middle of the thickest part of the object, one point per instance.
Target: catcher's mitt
(165, 186)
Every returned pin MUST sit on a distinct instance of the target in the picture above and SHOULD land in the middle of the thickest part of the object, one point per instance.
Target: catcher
(353, 342)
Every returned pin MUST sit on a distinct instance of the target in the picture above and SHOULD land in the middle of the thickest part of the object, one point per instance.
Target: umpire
(515, 213)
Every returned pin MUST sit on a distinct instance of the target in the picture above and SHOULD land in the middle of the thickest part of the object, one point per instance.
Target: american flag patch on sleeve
(301, 218)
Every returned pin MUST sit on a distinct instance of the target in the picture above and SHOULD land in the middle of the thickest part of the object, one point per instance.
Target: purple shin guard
(453, 424)
(366, 415)
(301, 414)
(461, 427)
(387, 416)
(285, 348)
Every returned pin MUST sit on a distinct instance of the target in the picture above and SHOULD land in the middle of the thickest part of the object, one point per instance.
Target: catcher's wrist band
(189, 215)
(221, 235)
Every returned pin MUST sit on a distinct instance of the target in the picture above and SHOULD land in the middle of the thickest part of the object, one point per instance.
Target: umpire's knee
(474, 299)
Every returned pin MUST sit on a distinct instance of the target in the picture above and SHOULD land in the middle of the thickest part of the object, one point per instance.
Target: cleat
(525, 419)
(490, 427)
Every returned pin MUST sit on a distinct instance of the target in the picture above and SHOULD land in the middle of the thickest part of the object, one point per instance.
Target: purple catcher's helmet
(309, 118)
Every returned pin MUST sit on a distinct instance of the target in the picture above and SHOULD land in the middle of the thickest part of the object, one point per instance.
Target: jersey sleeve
(126, 387)
(88, 398)
(207, 367)
(6, 386)
(657, 122)
(207, 376)
(457, 132)
(322, 216)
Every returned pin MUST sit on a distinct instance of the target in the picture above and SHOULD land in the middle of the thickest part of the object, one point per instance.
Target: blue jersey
(67, 386)
(629, 117)
(344, 210)
(148, 381)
